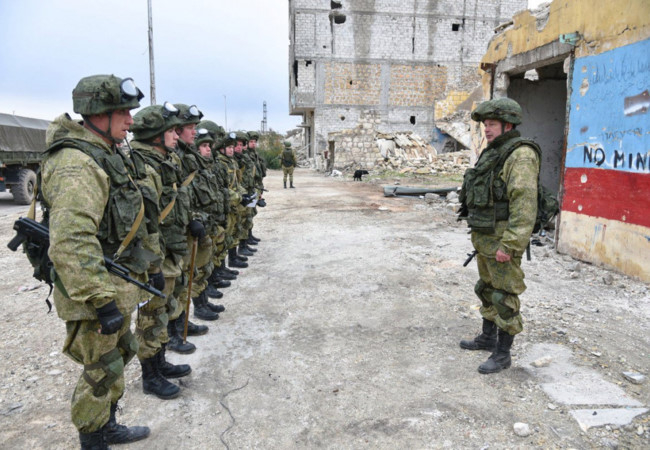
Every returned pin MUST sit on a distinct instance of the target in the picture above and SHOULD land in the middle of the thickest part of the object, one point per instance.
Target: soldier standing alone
(499, 198)
(288, 162)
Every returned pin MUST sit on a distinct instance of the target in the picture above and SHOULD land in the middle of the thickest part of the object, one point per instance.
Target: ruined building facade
(405, 63)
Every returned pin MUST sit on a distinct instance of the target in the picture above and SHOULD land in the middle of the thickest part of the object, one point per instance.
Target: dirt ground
(343, 333)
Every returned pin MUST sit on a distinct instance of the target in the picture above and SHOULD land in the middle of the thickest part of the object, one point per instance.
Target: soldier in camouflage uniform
(288, 163)
(499, 198)
(247, 170)
(260, 173)
(205, 143)
(226, 148)
(92, 205)
(207, 207)
(155, 138)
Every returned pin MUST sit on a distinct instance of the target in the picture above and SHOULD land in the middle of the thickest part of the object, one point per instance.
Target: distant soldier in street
(288, 162)
(94, 210)
(499, 202)
(155, 137)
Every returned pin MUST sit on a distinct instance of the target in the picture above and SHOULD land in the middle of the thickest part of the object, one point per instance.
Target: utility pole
(152, 75)
(263, 130)
(225, 110)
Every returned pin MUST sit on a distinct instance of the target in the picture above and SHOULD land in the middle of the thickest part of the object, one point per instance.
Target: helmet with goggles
(154, 120)
(100, 94)
(188, 114)
(203, 135)
(216, 130)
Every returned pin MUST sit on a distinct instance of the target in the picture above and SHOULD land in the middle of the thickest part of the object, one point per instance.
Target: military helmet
(99, 94)
(503, 109)
(203, 135)
(188, 115)
(229, 139)
(242, 136)
(154, 120)
(287, 144)
(253, 135)
(217, 131)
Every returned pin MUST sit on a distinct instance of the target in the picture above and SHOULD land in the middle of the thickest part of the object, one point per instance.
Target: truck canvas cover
(22, 134)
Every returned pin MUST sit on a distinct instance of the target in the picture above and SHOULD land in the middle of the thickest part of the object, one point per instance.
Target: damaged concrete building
(581, 71)
(384, 66)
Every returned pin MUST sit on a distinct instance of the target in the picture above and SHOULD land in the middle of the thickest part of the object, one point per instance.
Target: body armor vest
(124, 202)
(484, 193)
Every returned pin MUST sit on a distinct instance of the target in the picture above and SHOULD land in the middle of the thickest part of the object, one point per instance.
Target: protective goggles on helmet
(192, 112)
(203, 132)
(129, 90)
(169, 110)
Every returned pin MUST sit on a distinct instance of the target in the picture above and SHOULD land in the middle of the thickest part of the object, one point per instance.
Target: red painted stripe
(611, 194)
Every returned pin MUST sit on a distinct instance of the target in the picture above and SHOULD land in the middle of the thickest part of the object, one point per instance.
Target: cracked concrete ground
(343, 333)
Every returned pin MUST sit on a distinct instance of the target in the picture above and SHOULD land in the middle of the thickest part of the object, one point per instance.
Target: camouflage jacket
(232, 172)
(519, 177)
(247, 171)
(83, 205)
(207, 199)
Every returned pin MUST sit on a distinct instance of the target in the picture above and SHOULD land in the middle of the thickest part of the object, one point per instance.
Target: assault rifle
(37, 236)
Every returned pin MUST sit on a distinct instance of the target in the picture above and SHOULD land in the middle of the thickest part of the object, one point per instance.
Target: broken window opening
(413, 45)
(351, 83)
(295, 73)
(455, 26)
(307, 63)
(339, 19)
(342, 117)
(335, 5)
(412, 120)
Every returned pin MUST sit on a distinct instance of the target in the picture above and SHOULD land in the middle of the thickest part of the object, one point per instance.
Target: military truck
(22, 143)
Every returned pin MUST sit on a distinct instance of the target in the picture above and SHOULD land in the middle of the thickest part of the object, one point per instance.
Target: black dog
(358, 173)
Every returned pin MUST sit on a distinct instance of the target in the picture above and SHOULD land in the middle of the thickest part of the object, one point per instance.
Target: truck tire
(23, 191)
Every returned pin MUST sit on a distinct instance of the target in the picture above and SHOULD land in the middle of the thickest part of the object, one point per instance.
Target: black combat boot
(484, 341)
(217, 279)
(93, 441)
(115, 433)
(169, 370)
(225, 273)
(212, 291)
(154, 383)
(192, 328)
(285, 184)
(500, 358)
(211, 306)
(200, 310)
(233, 261)
(244, 244)
(253, 238)
(176, 343)
(292, 186)
(244, 250)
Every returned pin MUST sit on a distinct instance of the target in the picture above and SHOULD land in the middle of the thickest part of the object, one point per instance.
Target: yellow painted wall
(603, 25)
(449, 104)
(619, 245)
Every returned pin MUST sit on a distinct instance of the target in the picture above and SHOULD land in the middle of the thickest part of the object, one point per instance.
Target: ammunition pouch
(498, 300)
(128, 346)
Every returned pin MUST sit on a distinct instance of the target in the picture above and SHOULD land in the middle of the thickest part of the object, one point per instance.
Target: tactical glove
(261, 203)
(157, 280)
(110, 318)
(197, 229)
(245, 199)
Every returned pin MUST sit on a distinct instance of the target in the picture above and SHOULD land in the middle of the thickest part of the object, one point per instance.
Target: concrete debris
(634, 377)
(542, 362)
(522, 429)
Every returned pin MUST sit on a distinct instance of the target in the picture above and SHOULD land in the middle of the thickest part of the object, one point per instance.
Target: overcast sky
(204, 49)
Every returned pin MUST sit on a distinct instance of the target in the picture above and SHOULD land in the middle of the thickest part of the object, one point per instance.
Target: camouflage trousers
(287, 171)
(231, 230)
(152, 319)
(102, 381)
(202, 266)
(245, 223)
(498, 289)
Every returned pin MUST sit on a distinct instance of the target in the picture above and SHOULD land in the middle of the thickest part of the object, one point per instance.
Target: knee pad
(112, 365)
(128, 347)
(479, 290)
(498, 300)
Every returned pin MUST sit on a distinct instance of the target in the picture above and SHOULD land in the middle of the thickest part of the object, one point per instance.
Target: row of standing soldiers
(175, 206)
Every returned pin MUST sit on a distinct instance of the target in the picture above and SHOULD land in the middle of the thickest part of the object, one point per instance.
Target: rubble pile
(445, 163)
